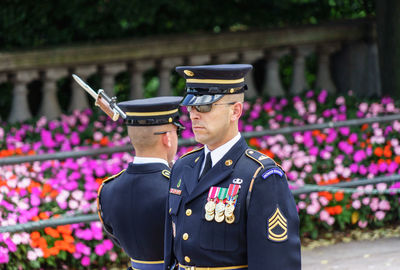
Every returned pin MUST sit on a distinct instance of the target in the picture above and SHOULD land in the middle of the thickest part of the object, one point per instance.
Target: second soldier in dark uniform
(132, 203)
(229, 207)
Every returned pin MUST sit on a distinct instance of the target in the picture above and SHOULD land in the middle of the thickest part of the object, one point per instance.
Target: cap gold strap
(214, 81)
(151, 113)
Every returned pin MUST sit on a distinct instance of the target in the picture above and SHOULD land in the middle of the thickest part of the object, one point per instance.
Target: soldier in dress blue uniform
(229, 207)
(131, 204)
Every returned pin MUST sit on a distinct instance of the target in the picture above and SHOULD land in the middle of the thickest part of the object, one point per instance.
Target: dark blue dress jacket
(132, 209)
(265, 233)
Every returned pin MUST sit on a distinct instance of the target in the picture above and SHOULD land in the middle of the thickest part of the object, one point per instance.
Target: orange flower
(68, 238)
(35, 235)
(364, 127)
(54, 193)
(104, 141)
(397, 159)
(339, 196)
(52, 232)
(46, 253)
(326, 194)
(362, 144)
(64, 229)
(387, 152)
(254, 142)
(71, 248)
(378, 151)
(43, 215)
(316, 132)
(267, 152)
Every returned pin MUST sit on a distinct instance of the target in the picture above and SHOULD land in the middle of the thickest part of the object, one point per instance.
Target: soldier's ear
(237, 109)
(166, 139)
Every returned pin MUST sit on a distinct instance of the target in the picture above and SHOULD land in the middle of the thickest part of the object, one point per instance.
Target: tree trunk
(388, 28)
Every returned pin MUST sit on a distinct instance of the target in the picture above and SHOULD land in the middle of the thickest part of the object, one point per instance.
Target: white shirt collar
(145, 160)
(219, 152)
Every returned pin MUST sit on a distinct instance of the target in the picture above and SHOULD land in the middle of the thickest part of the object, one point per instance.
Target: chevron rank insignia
(277, 227)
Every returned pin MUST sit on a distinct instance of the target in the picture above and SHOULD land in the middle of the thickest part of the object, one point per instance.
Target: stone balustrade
(163, 54)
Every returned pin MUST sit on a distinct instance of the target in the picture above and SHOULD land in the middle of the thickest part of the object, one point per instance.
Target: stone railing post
(50, 106)
(79, 99)
(165, 69)
(273, 86)
(20, 108)
(299, 82)
(197, 60)
(324, 79)
(108, 73)
(226, 58)
(249, 57)
(137, 70)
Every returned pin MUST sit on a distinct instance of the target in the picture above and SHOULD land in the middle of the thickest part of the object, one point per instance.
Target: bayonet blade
(85, 86)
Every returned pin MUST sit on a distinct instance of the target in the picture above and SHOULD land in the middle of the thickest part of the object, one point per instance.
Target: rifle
(106, 104)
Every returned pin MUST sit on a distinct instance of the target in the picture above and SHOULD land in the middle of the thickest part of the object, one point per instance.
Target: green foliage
(33, 24)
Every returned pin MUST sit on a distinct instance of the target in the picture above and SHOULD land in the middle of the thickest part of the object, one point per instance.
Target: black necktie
(207, 166)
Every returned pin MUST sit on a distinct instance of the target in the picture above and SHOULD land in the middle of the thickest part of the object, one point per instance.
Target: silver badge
(237, 181)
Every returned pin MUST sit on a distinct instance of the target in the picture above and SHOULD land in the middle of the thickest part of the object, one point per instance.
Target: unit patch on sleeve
(277, 227)
(272, 171)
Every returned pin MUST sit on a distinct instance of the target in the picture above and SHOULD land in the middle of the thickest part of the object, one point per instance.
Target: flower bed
(41, 190)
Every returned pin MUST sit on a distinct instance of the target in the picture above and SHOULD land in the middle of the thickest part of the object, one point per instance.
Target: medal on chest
(221, 203)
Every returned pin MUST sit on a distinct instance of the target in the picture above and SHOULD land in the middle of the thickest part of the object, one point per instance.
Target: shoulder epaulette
(113, 176)
(166, 173)
(260, 158)
(193, 151)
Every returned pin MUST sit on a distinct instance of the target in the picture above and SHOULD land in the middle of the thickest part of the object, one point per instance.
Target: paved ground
(357, 255)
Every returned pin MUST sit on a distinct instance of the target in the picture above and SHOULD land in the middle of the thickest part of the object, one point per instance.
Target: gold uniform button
(185, 236)
(170, 210)
(187, 259)
(189, 212)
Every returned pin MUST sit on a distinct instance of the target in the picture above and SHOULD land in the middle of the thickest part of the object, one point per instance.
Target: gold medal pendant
(209, 217)
(229, 208)
(210, 207)
(220, 207)
(219, 218)
(230, 219)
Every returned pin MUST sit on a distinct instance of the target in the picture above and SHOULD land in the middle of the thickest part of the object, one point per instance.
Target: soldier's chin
(200, 138)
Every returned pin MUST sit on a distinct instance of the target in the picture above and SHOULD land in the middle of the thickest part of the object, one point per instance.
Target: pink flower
(356, 204)
(380, 215)
(384, 205)
(85, 261)
(362, 224)
(100, 249)
(4, 258)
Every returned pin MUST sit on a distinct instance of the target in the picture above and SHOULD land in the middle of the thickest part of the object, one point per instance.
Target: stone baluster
(299, 82)
(226, 58)
(79, 99)
(137, 70)
(20, 108)
(165, 68)
(3, 77)
(108, 73)
(249, 57)
(197, 60)
(273, 86)
(50, 106)
(324, 79)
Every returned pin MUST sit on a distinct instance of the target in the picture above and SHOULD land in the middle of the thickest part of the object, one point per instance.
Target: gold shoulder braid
(193, 151)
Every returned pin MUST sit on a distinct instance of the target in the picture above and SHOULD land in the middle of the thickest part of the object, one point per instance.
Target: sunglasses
(206, 108)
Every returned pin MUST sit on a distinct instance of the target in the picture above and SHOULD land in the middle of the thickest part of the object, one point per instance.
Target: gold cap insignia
(232, 90)
(188, 73)
(228, 162)
(170, 119)
(277, 227)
